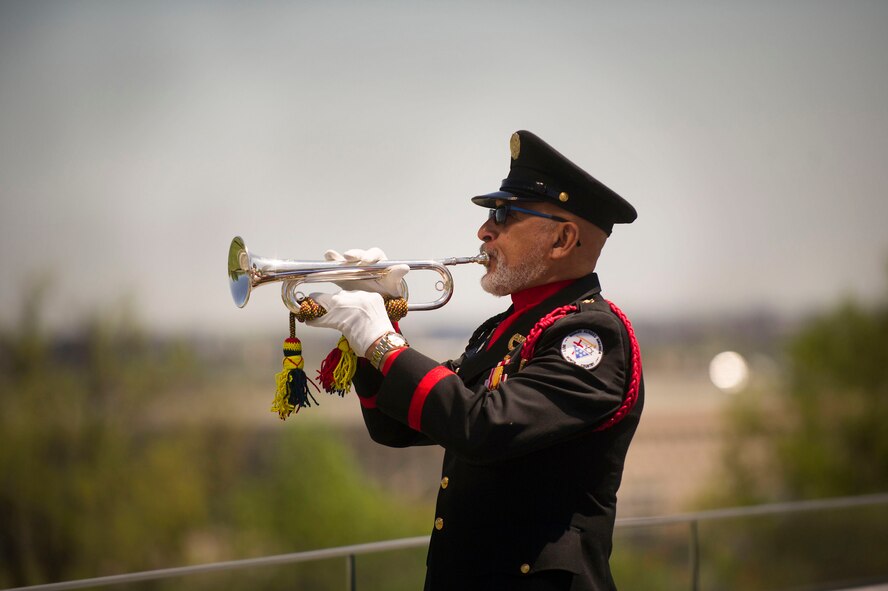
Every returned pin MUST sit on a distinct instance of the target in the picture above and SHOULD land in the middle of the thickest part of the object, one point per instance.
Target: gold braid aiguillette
(396, 308)
(309, 310)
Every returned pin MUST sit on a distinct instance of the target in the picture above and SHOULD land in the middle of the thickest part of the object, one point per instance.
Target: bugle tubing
(246, 271)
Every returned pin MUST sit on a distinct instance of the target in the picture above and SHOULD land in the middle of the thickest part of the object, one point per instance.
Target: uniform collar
(528, 298)
(491, 349)
(525, 300)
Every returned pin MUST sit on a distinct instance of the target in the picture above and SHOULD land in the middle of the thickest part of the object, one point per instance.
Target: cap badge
(515, 146)
(582, 348)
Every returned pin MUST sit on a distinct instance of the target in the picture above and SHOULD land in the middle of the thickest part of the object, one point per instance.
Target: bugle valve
(246, 271)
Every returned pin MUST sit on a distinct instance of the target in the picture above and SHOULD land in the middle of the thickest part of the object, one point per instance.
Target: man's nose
(488, 231)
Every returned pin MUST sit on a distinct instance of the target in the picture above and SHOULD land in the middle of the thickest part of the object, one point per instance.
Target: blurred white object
(729, 372)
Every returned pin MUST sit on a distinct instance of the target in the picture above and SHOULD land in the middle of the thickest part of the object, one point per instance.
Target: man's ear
(566, 239)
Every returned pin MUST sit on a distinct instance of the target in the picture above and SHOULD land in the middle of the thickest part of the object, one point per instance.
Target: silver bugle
(246, 271)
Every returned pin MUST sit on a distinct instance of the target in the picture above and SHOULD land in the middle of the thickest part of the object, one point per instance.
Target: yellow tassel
(345, 371)
(292, 392)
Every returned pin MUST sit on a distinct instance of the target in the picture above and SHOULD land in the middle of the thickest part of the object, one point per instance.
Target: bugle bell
(246, 271)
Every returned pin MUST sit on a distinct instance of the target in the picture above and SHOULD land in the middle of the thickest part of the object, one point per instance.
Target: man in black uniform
(537, 414)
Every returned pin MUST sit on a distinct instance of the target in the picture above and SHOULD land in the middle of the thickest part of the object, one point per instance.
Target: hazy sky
(137, 138)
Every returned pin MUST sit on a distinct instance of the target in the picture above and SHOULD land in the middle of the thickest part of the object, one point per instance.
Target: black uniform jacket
(528, 491)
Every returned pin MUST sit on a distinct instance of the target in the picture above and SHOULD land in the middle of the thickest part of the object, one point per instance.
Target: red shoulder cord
(631, 396)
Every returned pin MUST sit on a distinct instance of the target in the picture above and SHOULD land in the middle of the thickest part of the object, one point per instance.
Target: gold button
(444, 482)
(525, 568)
(439, 524)
(562, 197)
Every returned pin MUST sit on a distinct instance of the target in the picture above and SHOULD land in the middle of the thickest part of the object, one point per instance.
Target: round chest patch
(582, 348)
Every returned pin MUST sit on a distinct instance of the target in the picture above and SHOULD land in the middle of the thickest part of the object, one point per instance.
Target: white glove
(359, 315)
(390, 285)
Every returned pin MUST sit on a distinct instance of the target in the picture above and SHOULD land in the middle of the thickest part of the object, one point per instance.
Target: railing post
(695, 556)
(352, 575)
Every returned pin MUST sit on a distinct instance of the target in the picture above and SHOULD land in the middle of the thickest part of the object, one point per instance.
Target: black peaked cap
(538, 172)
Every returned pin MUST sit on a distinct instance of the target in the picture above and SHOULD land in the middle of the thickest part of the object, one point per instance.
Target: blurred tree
(823, 433)
(82, 490)
(836, 442)
(95, 481)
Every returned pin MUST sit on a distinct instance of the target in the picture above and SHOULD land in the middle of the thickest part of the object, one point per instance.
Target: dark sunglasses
(501, 213)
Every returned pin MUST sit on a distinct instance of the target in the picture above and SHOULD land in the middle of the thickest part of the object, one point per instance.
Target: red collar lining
(524, 300)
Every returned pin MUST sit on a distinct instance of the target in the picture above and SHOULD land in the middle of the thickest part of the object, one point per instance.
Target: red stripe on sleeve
(368, 402)
(390, 358)
(417, 402)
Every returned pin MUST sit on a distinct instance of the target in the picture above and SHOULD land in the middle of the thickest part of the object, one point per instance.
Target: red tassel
(338, 369)
(328, 366)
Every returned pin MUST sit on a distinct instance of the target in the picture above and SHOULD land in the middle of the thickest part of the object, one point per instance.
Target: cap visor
(490, 199)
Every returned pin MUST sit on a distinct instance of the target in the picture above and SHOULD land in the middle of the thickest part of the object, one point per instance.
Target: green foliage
(838, 399)
(305, 492)
(95, 481)
(826, 550)
(822, 434)
(80, 491)
(651, 558)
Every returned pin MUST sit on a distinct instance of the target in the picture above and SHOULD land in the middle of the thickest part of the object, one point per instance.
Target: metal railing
(349, 553)
(693, 520)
